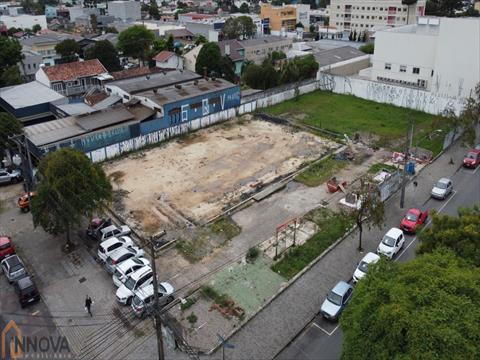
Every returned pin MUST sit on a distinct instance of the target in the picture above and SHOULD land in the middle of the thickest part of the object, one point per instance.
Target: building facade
(168, 60)
(280, 18)
(420, 56)
(30, 64)
(363, 15)
(125, 10)
(23, 21)
(258, 49)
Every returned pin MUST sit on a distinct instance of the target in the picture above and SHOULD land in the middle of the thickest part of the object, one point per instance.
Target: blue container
(411, 168)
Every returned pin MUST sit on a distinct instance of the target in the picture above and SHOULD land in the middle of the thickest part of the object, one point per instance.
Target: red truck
(6, 247)
(472, 159)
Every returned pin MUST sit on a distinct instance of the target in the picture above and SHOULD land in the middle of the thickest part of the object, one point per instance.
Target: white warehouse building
(125, 10)
(440, 55)
(24, 21)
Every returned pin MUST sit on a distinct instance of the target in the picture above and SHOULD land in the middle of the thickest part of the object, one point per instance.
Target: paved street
(323, 340)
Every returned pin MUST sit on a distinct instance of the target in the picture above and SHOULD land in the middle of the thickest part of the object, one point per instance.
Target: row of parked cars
(390, 245)
(131, 271)
(16, 273)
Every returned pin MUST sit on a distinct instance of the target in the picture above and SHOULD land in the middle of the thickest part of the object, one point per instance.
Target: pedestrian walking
(88, 304)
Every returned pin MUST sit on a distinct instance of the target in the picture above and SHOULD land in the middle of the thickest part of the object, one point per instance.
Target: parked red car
(472, 159)
(6, 247)
(413, 219)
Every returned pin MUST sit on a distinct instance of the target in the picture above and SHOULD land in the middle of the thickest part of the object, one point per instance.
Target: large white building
(441, 55)
(362, 15)
(125, 10)
(24, 21)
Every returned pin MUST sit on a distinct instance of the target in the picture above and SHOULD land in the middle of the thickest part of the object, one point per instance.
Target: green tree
(208, 57)
(158, 45)
(105, 52)
(153, 10)
(36, 28)
(371, 211)
(426, 308)
(227, 69)
(9, 126)
(368, 48)
(261, 77)
(234, 9)
(443, 7)
(200, 40)
(68, 50)
(70, 187)
(274, 57)
(244, 8)
(311, 28)
(93, 22)
(136, 41)
(10, 55)
(170, 44)
(459, 233)
(111, 29)
(299, 25)
(239, 27)
(470, 116)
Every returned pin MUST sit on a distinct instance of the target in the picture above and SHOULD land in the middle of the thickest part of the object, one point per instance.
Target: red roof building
(168, 60)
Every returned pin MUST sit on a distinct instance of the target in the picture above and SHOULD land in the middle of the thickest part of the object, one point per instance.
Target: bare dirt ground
(192, 178)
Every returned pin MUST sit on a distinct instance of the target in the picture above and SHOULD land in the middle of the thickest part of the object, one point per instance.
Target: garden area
(347, 114)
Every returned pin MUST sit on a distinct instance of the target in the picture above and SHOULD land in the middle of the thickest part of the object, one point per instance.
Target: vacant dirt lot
(192, 178)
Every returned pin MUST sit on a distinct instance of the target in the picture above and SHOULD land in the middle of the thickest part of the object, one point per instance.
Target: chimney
(227, 49)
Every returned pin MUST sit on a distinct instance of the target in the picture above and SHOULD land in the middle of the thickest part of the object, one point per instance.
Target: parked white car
(112, 231)
(120, 255)
(134, 281)
(442, 189)
(110, 245)
(391, 243)
(362, 267)
(126, 268)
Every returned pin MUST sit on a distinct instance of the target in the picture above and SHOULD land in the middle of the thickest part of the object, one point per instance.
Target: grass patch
(375, 168)
(188, 303)
(225, 227)
(220, 299)
(138, 333)
(331, 227)
(349, 114)
(320, 172)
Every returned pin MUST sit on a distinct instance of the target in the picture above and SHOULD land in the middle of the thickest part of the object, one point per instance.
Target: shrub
(252, 254)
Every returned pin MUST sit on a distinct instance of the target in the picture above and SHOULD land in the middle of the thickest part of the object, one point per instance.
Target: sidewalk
(272, 329)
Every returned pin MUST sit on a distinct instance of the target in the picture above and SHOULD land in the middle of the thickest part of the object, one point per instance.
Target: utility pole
(26, 163)
(408, 144)
(157, 320)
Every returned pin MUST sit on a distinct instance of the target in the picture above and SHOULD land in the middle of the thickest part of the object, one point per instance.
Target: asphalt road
(322, 340)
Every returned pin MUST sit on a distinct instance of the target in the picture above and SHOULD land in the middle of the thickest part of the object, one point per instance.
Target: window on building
(432, 73)
(361, 17)
(361, 25)
(368, 8)
(34, 66)
(126, 97)
(403, 68)
(184, 113)
(28, 66)
(416, 70)
(403, 19)
(363, 7)
(388, 66)
(368, 17)
(381, 9)
(338, 7)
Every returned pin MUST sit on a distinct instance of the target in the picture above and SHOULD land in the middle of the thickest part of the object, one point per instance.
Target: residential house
(72, 79)
(363, 15)
(428, 55)
(30, 64)
(44, 44)
(190, 58)
(235, 51)
(168, 60)
(183, 36)
(257, 50)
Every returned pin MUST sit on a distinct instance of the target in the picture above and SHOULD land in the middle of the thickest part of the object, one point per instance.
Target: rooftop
(187, 90)
(178, 33)
(269, 39)
(133, 72)
(57, 130)
(154, 81)
(28, 94)
(74, 70)
(163, 56)
(51, 37)
(333, 56)
(236, 53)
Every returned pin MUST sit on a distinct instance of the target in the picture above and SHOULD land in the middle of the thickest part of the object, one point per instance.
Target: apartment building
(279, 18)
(362, 15)
(257, 50)
(420, 56)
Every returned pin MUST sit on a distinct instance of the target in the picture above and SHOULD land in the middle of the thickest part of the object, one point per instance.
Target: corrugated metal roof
(101, 119)
(29, 94)
(333, 56)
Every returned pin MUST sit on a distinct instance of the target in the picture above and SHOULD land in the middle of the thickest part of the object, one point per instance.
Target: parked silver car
(144, 299)
(13, 268)
(9, 177)
(442, 189)
(336, 301)
(126, 268)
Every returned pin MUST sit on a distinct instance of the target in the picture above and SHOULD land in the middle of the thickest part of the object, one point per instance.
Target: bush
(368, 48)
(192, 318)
(252, 254)
(188, 303)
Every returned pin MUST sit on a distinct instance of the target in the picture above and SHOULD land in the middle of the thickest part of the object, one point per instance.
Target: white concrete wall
(457, 61)
(174, 62)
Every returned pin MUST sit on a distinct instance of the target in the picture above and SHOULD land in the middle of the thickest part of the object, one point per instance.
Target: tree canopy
(105, 52)
(459, 233)
(153, 10)
(10, 55)
(68, 50)
(9, 126)
(70, 187)
(135, 41)
(368, 48)
(261, 76)
(443, 7)
(208, 57)
(427, 308)
(244, 8)
(239, 27)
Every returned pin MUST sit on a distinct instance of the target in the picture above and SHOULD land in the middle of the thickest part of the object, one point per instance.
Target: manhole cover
(81, 280)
